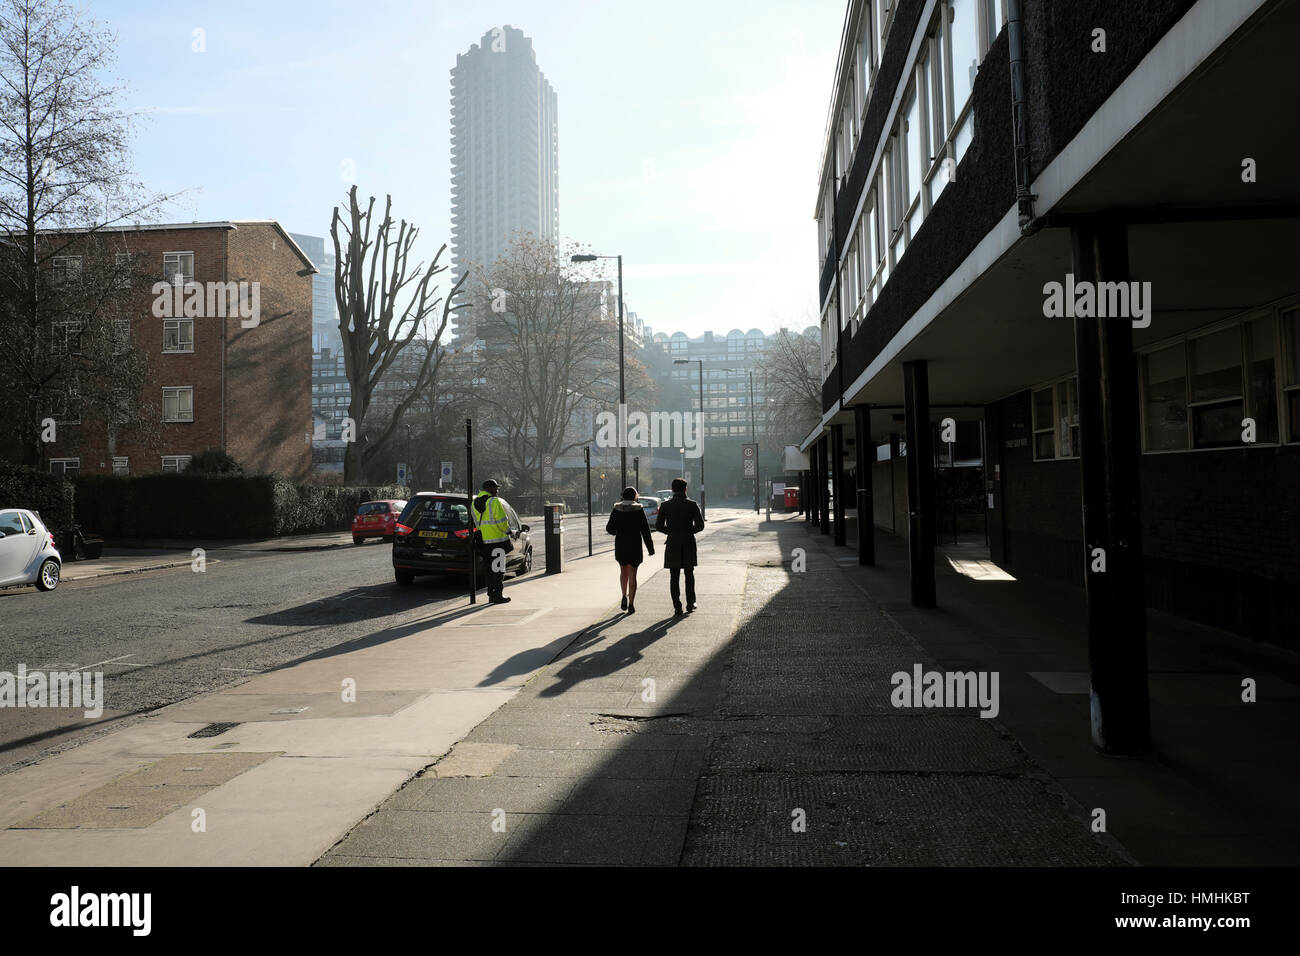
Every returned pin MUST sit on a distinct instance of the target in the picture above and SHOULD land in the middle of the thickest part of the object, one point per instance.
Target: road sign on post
(548, 468)
(749, 459)
(401, 473)
(446, 471)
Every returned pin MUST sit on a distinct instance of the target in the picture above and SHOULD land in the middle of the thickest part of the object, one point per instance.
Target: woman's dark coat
(629, 527)
(680, 519)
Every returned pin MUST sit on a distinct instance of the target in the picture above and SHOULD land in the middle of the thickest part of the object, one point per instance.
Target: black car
(432, 536)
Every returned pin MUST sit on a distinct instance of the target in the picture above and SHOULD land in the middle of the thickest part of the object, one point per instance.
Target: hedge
(49, 495)
(189, 505)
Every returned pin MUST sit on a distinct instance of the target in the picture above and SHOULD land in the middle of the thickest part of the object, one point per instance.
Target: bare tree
(65, 186)
(792, 369)
(386, 306)
(547, 346)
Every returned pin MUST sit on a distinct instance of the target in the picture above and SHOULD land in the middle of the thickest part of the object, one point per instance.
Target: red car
(376, 519)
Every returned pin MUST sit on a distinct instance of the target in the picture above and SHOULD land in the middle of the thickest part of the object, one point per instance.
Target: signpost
(445, 475)
(749, 465)
(401, 473)
(548, 468)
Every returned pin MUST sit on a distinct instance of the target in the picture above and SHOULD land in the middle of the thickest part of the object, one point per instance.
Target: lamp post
(700, 363)
(622, 398)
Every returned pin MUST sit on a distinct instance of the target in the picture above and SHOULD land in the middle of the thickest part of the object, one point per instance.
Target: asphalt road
(164, 636)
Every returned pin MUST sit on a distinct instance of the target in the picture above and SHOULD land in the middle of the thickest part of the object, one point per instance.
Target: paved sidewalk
(770, 740)
(276, 769)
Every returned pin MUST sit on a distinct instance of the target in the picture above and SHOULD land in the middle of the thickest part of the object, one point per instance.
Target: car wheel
(356, 540)
(403, 577)
(48, 578)
(527, 564)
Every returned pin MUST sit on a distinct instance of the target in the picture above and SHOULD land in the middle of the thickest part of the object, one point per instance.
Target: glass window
(10, 523)
(1291, 335)
(1261, 374)
(178, 335)
(1067, 418)
(178, 404)
(1044, 413)
(1217, 406)
(178, 266)
(963, 30)
(121, 466)
(1164, 377)
(916, 160)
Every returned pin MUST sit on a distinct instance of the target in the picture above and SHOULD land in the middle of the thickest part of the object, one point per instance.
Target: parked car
(432, 536)
(663, 494)
(376, 519)
(650, 505)
(27, 551)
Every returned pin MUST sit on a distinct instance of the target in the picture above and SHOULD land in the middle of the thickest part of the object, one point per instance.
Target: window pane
(1043, 409)
(1216, 426)
(1164, 377)
(915, 161)
(964, 24)
(1262, 373)
(1216, 365)
(1291, 334)
(1067, 418)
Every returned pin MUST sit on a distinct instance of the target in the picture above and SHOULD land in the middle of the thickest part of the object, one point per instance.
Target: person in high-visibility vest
(493, 539)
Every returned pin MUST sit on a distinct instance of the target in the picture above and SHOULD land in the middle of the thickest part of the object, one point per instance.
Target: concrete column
(823, 463)
(866, 507)
(837, 480)
(920, 481)
(1110, 453)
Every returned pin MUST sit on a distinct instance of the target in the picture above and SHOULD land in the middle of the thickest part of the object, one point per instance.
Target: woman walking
(629, 527)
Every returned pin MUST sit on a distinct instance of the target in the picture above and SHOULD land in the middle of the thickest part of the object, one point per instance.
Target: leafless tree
(792, 370)
(547, 346)
(65, 186)
(386, 306)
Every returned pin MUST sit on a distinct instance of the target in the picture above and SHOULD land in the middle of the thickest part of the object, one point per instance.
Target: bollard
(553, 516)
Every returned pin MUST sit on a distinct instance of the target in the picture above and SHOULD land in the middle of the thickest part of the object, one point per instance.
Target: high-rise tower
(504, 152)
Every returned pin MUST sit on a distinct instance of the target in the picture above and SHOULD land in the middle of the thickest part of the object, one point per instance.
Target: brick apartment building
(213, 382)
(979, 151)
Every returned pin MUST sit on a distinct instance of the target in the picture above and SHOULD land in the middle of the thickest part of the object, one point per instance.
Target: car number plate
(433, 534)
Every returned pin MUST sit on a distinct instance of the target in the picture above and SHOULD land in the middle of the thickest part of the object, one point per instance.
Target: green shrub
(49, 495)
(214, 461)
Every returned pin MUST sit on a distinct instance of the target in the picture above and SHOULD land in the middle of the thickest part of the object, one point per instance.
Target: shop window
(1261, 377)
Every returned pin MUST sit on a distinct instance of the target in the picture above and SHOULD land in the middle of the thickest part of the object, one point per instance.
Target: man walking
(680, 519)
(493, 539)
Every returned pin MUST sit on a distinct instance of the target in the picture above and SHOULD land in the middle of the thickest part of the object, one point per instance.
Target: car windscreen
(373, 508)
(443, 513)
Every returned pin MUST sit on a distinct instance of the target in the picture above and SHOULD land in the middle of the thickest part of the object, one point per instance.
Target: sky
(690, 133)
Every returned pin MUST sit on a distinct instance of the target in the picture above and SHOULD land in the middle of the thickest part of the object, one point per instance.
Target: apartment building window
(912, 133)
(178, 404)
(963, 37)
(121, 466)
(178, 335)
(178, 267)
(1056, 420)
(65, 466)
(175, 463)
(64, 405)
(65, 338)
(65, 269)
(1197, 393)
(1291, 387)
(884, 15)
(865, 59)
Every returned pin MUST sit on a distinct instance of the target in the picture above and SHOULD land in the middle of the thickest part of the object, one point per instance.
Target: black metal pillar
(837, 481)
(1110, 453)
(823, 465)
(920, 481)
(866, 507)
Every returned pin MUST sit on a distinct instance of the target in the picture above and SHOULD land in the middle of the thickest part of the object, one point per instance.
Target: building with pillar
(1069, 226)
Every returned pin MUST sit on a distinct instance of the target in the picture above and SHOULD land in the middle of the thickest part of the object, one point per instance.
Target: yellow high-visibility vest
(493, 523)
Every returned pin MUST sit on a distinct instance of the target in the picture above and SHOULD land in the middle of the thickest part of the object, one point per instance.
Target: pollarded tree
(389, 312)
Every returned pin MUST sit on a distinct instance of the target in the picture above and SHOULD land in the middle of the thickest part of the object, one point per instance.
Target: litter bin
(553, 518)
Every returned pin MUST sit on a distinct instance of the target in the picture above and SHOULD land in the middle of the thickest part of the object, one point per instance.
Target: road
(164, 636)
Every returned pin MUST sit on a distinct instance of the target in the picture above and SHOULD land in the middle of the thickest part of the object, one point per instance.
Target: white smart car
(27, 551)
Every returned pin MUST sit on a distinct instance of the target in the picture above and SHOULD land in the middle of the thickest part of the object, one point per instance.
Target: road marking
(109, 661)
(246, 670)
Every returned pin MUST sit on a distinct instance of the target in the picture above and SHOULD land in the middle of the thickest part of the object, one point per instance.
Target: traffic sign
(446, 470)
(749, 459)
(548, 468)
(401, 473)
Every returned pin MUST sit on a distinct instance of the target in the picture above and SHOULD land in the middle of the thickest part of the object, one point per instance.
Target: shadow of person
(624, 652)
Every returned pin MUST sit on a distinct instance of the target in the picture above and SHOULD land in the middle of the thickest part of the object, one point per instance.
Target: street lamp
(699, 362)
(622, 399)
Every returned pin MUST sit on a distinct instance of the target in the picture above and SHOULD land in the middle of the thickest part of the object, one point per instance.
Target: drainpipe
(1029, 223)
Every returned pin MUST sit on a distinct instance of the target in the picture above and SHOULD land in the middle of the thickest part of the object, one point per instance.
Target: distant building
(504, 153)
(324, 310)
(728, 361)
(212, 381)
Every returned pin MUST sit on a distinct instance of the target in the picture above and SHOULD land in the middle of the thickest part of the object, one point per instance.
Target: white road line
(109, 661)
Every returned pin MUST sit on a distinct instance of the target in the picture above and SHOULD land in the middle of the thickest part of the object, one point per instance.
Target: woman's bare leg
(631, 582)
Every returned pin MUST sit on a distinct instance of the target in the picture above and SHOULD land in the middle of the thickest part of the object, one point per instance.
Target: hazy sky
(690, 132)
